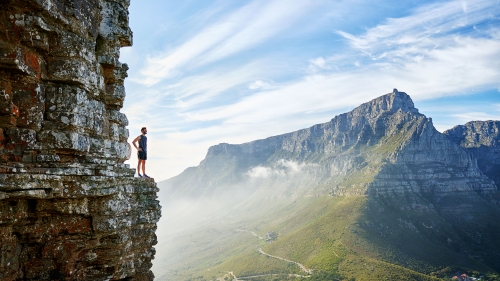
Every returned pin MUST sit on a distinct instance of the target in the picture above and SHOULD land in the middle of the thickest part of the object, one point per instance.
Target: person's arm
(135, 141)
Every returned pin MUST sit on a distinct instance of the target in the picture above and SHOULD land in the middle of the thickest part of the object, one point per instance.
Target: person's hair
(143, 128)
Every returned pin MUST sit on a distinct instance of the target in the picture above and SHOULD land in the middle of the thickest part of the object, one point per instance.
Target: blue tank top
(143, 143)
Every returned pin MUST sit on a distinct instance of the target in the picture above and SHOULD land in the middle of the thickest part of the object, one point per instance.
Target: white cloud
(476, 116)
(293, 166)
(280, 168)
(196, 89)
(245, 28)
(431, 28)
(259, 84)
(470, 63)
(260, 172)
(267, 21)
(162, 67)
(436, 63)
(427, 21)
(318, 64)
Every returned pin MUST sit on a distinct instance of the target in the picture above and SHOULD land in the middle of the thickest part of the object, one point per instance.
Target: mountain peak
(401, 100)
(391, 102)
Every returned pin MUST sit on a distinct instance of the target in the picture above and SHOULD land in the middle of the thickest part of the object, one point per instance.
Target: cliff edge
(70, 209)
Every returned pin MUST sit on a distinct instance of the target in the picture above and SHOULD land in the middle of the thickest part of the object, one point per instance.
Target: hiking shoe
(146, 176)
(140, 176)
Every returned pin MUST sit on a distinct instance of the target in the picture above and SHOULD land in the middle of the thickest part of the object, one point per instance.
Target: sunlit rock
(70, 209)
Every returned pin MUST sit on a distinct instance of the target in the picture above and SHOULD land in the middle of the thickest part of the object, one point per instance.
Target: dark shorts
(142, 155)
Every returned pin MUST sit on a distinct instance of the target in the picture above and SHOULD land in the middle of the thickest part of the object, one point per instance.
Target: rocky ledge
(70, 209)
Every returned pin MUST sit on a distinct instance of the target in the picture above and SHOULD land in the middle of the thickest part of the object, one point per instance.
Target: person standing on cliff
(142, 152)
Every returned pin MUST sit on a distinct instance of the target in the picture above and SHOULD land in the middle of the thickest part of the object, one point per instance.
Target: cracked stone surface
(70, 209)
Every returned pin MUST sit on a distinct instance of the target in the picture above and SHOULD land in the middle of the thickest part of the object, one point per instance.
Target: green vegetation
(317, 243)
(254, 263)
(350, 238)
(361, 178)
(327, 244)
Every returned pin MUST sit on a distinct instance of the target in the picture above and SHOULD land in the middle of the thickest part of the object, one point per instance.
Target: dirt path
(302, 267)
(253, 233)
(305, 269)
(256, 276)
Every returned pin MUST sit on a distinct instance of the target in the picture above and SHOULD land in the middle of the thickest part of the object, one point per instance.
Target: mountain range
(374, 193)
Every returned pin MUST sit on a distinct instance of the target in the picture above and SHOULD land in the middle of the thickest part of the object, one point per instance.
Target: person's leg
(143, 167)
(139, 166)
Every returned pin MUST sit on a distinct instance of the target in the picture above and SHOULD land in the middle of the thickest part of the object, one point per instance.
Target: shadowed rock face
(482, 139)
(69, 208)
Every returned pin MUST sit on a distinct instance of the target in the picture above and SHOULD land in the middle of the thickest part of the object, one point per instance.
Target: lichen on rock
(70, 209)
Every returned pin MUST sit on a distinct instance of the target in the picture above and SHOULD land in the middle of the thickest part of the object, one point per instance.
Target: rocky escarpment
(70, 208)
(482, 139)
(417, 198)
(384, 147)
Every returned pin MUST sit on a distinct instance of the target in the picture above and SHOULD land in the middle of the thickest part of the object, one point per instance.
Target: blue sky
(206, 72)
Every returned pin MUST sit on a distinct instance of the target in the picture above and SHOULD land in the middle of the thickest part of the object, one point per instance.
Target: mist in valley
(198, 231)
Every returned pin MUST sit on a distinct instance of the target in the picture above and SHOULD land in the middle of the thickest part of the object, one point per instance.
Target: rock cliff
(70, 209)
(384, 147)
(482, 139)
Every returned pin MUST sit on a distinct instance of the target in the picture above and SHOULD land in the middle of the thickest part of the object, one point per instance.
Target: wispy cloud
(260, 85)
(264, 23)
(196, 89)
(454, 64)
(242, 29)
(165, 66)
(280, 168)
(476, 116)
(421, 53)
(468, 64)
(318, 64)
(408, 35)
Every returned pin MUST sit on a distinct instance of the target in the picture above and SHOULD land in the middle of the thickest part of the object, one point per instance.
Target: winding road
(302, 267)
(305, 269)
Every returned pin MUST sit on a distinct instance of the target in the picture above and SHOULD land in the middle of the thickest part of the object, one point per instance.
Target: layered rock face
(422, 202)
(482, 139)
(382, 148)
(70, 208)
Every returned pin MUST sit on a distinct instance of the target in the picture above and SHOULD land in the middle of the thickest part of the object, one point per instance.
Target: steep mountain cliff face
(382, 148)
(376, 194)
(69, 208)
(482, 139)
